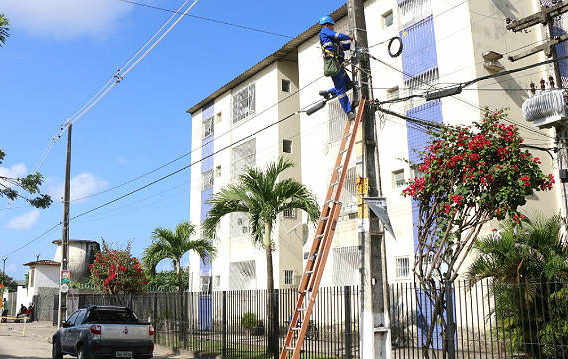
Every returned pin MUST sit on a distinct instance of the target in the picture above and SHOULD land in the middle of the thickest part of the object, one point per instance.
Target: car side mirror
(64, 324)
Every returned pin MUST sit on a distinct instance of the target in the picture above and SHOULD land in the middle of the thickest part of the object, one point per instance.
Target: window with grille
(346, 263)
(239, 225)
(402, 267)
(208, 127)
(207, 180)
(289, 213)
(218, 171)
(412, 11)
(288, 277)
(219, 117)
(242, 275)
(398, 179)
(416, 173)
(217, 281)
(349, 193)
(243, 103)
(243, 156)
(337, 119)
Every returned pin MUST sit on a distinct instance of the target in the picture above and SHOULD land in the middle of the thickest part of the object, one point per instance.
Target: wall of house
(81, 255)
(45, 276)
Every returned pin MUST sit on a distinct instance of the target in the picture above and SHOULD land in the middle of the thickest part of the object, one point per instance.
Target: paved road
(35, 344)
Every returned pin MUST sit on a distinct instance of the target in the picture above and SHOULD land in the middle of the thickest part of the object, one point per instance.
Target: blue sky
(59, 54)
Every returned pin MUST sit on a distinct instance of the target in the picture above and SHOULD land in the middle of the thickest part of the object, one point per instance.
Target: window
(218, 171)
(398, 179)
(286, 86)
(72, 318)
(243, 156)
(393, 93)
(402, 267)
(208, 127)
(219, 117)
(287, 146)
(348, 196)
(80, 317)
(32, 277)
(207, 180)
(288, 277)
(416, 173)
(337, 119)
(346, 263)
(306, 254)
(388, 19)
(289, 213)
(217, 281)
(243, 103)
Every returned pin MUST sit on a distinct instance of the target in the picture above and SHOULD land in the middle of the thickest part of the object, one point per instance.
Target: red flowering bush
(471, 175)
(116, 271)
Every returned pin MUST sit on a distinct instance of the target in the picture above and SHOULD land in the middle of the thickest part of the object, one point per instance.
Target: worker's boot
(351, 115)
(326, 95)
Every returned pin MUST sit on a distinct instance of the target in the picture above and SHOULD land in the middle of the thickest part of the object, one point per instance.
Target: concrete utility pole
(4, 265)
(65, 233)
(374, 322)
(546, 16)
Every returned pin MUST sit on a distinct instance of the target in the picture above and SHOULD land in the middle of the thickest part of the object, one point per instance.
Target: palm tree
(262, 196)
(528, 265)
(4, 28)
(168, 244)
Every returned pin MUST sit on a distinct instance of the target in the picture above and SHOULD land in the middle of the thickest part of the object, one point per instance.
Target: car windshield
(110, 316)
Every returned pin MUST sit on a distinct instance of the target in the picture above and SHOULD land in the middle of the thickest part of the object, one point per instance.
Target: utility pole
(374, 322)
(65, 233)
(546, 16)
(4, 265)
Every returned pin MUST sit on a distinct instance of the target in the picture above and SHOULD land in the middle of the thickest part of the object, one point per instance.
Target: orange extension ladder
(309, 285)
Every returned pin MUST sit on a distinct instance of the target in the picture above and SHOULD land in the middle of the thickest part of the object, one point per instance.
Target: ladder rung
(319, 236)
(348, 135)
(310, 272)
(305, 291)
(289, 348)
(335, 183)
(296, 329)
(324, 219)
(339, 168)
(343, 151)
(301, 309)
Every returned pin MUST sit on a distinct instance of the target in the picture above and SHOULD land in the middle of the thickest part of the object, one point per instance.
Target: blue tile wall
(417, 141)
(419, 48)
(207, 148)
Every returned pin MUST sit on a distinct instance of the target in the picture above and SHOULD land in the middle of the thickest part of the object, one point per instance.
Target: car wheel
(82, 353)
(56, 349)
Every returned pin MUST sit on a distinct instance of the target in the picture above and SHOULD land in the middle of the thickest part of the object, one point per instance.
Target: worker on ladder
(333, 50)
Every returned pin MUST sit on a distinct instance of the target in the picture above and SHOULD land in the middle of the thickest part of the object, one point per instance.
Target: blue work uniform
(331, 44)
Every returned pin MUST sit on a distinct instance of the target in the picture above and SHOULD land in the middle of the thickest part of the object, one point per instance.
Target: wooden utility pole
(546, 16)
(374, 323)
(65, 233)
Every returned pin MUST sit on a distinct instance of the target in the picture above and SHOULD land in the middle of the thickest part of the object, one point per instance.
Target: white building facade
(444, 42)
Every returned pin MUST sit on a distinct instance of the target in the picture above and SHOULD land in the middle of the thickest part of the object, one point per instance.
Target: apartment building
(444, 42)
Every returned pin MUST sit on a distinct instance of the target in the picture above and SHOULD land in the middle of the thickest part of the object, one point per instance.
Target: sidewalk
(37, 342)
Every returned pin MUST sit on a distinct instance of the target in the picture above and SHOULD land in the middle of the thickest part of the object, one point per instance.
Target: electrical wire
(33, 240)
(246, 27)
(118, 77)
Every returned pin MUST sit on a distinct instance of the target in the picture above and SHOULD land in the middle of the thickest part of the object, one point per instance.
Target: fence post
(155, 316)
(450, 319)
(224, 324)
(348, 325)
(275, 324)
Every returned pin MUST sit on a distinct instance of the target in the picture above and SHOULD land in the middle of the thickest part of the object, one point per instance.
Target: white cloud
(25, 221)
(82, 185)
(17, 170)
(65, 18)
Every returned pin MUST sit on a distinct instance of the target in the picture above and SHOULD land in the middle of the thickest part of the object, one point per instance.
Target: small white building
(43, 285)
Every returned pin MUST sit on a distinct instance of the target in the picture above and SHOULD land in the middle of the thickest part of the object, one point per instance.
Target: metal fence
(481, 320)
(234, 323)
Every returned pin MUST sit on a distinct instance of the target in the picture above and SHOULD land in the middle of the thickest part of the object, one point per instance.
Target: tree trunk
(179, 274)
(270, 325)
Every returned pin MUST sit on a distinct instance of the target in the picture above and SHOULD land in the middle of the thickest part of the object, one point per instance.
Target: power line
(118, 77)
(33, 240)
(246, 27)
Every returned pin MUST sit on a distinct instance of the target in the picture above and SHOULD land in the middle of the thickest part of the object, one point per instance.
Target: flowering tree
(471, 175)
(116, 271)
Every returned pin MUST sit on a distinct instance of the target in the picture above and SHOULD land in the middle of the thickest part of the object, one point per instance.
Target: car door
(75, 331)
(66, 333)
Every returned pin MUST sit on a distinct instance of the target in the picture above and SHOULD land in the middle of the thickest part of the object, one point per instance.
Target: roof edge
(279, 54)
